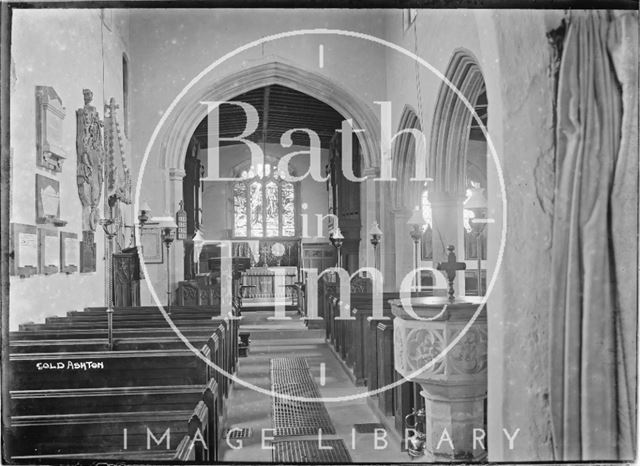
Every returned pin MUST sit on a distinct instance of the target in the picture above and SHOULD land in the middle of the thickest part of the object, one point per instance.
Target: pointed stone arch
(190, 112)
(451, 123)
(405, 194)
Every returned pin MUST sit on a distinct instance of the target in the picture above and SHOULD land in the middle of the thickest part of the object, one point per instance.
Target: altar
(269, 286)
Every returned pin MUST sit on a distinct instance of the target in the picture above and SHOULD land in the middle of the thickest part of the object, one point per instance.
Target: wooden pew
(385, 369)
(366, 346)
(75, 433)
(74, 430)
(158, 339)
(91, 400)
(101, 333)
(326, 291)
(214, 340)
(360, 341)
(349, 336)
(127, 317)
(136, 368)
(209, 396)
(152, 369)
(183, 310)
(199, 422)
(102, 325)
(102, 344)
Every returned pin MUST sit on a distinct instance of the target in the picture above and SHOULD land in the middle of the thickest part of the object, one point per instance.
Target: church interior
(319, 236)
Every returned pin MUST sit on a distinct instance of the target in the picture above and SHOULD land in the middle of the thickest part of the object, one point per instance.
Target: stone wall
(515, 58)
(68, 50)
(519, 309)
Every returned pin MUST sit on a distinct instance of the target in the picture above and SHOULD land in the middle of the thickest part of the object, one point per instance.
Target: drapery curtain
(595, 243)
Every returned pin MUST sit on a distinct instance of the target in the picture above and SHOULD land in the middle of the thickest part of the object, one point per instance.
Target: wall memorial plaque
(69, 252)
(48, 201)
(151, 246)
(48, 251)
(49, 116)
(24, 240)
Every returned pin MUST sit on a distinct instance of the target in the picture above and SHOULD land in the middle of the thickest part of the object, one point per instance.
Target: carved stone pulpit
(455, 387)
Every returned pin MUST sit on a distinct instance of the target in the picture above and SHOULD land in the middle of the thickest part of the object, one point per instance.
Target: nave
(147, 397)
(122, 385)
(330, 159)
(249, 409)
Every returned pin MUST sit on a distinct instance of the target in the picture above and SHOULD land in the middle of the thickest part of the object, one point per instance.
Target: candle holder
(110, 226)
(375, 235)
(168, 228)
(475, 211)
(198, 243)
(337, 239)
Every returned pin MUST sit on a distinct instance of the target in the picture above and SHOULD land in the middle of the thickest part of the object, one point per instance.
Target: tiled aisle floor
(249, 408)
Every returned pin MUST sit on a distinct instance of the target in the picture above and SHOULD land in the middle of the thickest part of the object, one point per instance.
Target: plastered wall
(68, 50)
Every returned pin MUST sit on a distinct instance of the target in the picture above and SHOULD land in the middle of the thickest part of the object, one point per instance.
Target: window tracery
(264, 204)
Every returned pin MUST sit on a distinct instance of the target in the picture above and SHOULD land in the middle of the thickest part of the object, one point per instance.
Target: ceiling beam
(265, 114)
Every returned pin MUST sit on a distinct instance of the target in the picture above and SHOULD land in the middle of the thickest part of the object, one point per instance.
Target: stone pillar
(455, 385)
(388, 243)
(403, 250)
(368, 207)
(446, 212)
(177, 248)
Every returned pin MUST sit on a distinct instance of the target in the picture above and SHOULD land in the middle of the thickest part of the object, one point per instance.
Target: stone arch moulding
(405, 194)
(451, 123)
(190, 111)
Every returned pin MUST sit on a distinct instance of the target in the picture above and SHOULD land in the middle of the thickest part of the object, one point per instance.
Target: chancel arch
(458, 195)
(189, 112)
(256, 205)
(177, 132)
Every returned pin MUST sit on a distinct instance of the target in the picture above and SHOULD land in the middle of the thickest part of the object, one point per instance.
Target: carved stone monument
(90, 176)
(118, 175)
(90, 161)
(87, 252)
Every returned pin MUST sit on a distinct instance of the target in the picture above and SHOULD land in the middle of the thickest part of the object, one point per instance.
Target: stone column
(368, 207)
(403, 250)
(455, 385)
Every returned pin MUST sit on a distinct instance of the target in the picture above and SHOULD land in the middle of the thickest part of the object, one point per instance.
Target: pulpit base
(454, 426)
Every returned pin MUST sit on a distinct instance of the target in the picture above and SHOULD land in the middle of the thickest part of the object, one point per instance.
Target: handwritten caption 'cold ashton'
(70, 365)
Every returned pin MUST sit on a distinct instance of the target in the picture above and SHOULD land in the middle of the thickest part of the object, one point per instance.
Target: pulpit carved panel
(469, 355)
(422, 346)
(417, 343)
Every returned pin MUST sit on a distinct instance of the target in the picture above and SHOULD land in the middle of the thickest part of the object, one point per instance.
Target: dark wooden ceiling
(481, 109)
(279, 110)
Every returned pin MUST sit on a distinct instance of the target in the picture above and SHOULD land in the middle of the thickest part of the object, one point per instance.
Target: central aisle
(247, 408)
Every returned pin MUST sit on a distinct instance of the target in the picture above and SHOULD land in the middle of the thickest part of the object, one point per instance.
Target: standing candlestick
(375, 234)
(450, 268)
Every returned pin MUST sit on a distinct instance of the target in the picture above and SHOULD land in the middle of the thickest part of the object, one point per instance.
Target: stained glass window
(240, 208)
(288, 210)
(271, 213)
(264, 204)
(255, 196)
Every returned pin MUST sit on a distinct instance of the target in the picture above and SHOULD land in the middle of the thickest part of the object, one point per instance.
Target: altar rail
(259, 287)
